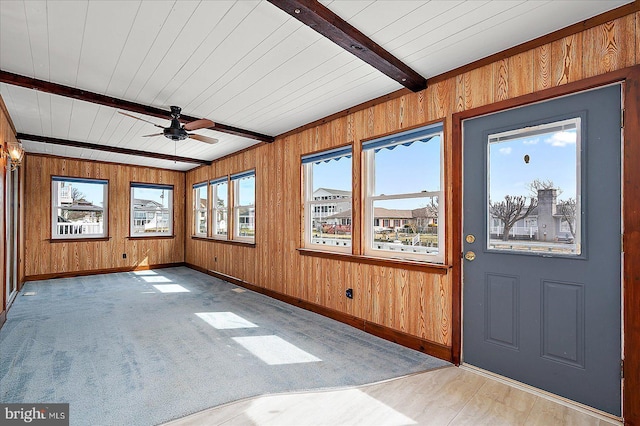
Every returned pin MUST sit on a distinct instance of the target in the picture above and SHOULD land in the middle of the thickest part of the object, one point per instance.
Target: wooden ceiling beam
(113, 149)
(336, 29)
(96, 98)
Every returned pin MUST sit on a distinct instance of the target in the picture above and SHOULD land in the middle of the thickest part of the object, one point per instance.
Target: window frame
(170, 209)
(369, 197)
(312, 206)
(55, 235)
(234, 185)
(198, 210)
(213, 184)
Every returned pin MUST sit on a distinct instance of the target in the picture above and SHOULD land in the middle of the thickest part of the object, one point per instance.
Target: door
(542, 246)
(12, 234)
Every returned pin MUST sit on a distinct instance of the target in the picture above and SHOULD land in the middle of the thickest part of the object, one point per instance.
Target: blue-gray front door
(542, 244)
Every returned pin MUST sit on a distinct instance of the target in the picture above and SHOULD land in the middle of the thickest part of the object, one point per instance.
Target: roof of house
(140, 202)
(331, 191)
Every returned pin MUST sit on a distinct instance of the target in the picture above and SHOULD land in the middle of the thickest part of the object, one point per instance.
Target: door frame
(630, 77)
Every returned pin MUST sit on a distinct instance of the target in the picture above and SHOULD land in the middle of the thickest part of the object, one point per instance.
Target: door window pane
(534, 189)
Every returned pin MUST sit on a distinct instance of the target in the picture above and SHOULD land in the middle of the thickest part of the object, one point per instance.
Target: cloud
(505, 151)
(561, 139)
(531, 141)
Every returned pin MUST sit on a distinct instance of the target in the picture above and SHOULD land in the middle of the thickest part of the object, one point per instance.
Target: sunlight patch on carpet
(157, 279)
(171, 288)
(275, 351)
(225, 320)
(144, 273)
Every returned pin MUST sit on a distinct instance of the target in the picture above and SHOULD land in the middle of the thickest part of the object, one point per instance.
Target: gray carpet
(122, 352)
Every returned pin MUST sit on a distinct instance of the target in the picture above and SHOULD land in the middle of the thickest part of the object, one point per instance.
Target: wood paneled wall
(410, 300)
(46, 258)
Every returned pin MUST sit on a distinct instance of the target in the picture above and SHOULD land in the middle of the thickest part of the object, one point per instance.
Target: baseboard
(101, 271)
(413, 342)
(3, 318)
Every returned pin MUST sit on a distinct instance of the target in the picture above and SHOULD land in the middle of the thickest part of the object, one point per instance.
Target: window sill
(151, 237)
(77, 240)
(379, 261)
(220, 240)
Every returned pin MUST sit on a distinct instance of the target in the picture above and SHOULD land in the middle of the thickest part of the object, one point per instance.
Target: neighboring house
(149, 215)
(79, 217)
(337, 201)
(425, 218)
(390, 219)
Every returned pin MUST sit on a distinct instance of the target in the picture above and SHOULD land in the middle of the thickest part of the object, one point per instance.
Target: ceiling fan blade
(205, 139)
(199, 124)
(141, 119)
(150, 136)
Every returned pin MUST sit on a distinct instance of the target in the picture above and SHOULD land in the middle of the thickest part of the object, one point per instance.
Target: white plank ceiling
(243, 63)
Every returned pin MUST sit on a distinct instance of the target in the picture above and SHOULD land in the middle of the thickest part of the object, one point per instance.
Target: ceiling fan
(178, 132)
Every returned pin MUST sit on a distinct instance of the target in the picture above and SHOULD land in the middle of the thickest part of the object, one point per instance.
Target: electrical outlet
(124, 255)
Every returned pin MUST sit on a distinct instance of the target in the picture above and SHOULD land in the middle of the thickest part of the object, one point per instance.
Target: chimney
(546, 210)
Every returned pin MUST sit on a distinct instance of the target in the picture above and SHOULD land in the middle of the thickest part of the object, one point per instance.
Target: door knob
(470, 255)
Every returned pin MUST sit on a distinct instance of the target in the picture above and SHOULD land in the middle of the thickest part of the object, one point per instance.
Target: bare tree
(568, 211)
(537, 184)
(511, 210)
(76, 194)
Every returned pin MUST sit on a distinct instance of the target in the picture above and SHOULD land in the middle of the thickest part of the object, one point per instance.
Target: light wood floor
(448, 396)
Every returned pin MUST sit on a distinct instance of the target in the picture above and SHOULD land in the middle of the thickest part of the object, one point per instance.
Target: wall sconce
(15, 152)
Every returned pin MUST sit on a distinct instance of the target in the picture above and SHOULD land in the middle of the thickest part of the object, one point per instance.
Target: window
(327, 178)
(220, 207)
(244, 208)
(534, 189)
(151, 210)
(403, 187)
(200, 208)
(79, 208)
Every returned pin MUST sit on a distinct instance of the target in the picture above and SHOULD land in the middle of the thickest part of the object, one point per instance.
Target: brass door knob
(470, 255)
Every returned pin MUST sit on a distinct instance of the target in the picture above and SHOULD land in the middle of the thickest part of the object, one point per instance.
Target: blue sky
(404, 169)
(92, 192)
(551, 157)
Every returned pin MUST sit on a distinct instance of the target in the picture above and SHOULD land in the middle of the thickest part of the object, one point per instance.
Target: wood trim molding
(101, 271)
(114, 149)
(631, 248)
(433, 268)
(220, 240)
(631, 220)
(96, 98)
(77, 240)
(3, 317)
(321, 19)
(430, 348)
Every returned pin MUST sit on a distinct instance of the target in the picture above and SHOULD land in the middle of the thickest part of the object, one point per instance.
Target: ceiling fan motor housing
(175, 132)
